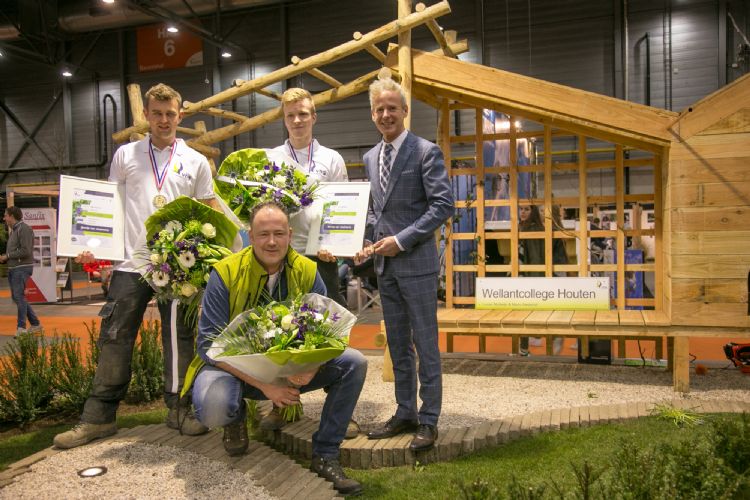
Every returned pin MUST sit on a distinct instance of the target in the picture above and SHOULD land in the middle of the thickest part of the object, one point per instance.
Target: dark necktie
(385, 167)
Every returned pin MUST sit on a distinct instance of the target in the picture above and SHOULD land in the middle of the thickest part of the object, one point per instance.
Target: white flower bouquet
(248, 177)
(279, 340)
(184, 239)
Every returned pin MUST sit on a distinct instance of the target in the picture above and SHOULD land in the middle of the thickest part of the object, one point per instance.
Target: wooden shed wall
(708, 208)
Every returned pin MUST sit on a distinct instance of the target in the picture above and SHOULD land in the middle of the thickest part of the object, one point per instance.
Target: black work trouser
(122, 316)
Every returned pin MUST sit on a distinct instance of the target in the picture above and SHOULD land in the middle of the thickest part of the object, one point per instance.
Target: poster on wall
(41, 286)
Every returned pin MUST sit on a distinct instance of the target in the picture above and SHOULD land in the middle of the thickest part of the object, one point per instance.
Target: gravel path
(473, 392)
(135, 470)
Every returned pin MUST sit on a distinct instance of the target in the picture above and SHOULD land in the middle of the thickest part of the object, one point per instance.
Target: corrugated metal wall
(572, 42)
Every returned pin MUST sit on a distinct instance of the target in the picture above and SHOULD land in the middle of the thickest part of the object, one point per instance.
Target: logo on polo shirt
(180, 170)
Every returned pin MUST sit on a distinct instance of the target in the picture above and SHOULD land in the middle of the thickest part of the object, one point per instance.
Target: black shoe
(330, 470)
(425, 438)
(235, 438)
(393, 427)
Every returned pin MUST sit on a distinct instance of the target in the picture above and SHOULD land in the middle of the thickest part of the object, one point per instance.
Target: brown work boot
(183, 419)
(84, 433)
(273, 421)
(235, 438)
(352, 430)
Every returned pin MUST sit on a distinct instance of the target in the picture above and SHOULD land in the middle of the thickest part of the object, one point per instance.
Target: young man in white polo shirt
(320, 164)
(153, 172)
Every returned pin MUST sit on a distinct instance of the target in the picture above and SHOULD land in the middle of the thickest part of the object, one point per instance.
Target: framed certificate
(340, 216)
(92, 218)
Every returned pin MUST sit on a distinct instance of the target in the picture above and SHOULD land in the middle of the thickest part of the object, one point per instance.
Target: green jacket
(245, 280)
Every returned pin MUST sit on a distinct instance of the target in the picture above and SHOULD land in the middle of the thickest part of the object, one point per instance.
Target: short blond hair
(385, 85)
(295, 94)
(162, 92)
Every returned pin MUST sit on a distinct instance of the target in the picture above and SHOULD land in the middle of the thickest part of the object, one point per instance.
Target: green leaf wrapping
(184, 209)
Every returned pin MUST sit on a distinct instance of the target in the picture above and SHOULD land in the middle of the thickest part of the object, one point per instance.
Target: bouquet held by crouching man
(270, 271)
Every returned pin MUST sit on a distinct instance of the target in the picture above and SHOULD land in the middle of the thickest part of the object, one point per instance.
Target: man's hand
(301, 379)
(3, 259)
(387, 247)
(364, 254)
(85, 257)
(326, 255)
(281, 396)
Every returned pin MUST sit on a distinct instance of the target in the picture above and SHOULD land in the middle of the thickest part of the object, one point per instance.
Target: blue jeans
(17, 278)
(218, 398)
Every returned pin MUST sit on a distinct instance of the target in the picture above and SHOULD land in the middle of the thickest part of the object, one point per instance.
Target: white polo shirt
(188, 174)
(326, 166)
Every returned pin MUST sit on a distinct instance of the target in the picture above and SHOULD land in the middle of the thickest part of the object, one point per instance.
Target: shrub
(26, 386)
(732, 442)
(147, 381)
(73, 373)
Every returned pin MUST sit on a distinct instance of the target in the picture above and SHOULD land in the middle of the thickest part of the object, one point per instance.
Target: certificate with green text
(91, 218)
(340, 216)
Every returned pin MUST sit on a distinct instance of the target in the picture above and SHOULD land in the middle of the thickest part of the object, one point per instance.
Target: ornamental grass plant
(52, 376)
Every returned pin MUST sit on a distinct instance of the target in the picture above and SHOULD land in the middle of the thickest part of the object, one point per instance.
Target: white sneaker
(35, 328)
(20, 331)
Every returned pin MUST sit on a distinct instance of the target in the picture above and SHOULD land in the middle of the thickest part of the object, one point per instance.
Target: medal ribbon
(310, 162)
(160, 177)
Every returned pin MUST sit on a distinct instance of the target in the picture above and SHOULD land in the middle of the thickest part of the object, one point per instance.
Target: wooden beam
(323, 77)
(222, 113)
(621, 239)
(372, 49)
(244, 87)
(326, 57)
(444, 132)
(437, 32)
(552, 103)
(548, 208)
(201, 127)
(269, 93)
(481, 242)
(329, 96)
(136, 105)
(583, 239)
(189, 131)
(404, 57)
(713, 108)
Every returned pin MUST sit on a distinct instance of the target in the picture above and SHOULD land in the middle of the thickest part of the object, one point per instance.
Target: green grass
(535, 460)
(17, 447)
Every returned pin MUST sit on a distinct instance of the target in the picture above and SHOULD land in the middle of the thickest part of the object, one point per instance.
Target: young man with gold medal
(152, 172)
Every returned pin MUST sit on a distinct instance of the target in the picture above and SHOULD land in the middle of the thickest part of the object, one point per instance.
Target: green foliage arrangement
(73, 371)
(146, 383)
(26, 380)
(41, 377)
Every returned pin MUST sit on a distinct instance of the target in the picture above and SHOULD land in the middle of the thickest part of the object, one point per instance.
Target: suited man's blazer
(417, 201)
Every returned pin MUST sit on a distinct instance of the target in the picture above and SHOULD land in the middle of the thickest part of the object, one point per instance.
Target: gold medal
(160, 200)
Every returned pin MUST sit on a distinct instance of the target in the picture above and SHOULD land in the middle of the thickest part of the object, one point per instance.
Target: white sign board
(567, 294)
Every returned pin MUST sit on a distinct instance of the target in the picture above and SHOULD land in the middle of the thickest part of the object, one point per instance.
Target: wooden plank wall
(708, 208)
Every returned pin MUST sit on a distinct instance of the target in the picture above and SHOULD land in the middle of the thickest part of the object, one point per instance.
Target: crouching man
(270, 268)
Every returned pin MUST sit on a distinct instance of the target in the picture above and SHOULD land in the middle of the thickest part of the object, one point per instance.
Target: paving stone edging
(361, 453)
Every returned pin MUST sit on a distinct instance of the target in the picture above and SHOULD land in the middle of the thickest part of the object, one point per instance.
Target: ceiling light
(66, 73)
(108, 1)
(226, 54)
(172, 29)
(1, 54)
